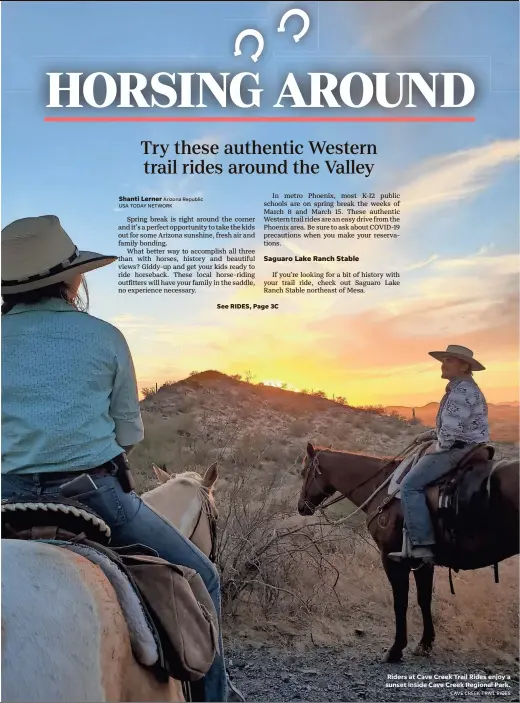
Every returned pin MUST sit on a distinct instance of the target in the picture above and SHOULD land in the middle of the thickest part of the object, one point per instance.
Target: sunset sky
(458, 253)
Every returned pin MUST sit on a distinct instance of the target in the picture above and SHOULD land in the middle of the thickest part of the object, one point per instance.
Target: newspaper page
(260, 285)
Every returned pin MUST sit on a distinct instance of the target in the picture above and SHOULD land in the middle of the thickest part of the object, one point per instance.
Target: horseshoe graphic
(252, 33)
(300, 13)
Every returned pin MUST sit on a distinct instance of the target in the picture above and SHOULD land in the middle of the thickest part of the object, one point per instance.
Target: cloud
(473, 300)
(444, 180)
(457, 176)
(457, 294)
(388, 28)
(421, 264)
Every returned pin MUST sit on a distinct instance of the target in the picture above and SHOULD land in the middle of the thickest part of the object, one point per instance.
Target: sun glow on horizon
(280, 384)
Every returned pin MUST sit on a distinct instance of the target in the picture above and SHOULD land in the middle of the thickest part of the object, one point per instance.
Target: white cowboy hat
(458, 352)
(37, 252)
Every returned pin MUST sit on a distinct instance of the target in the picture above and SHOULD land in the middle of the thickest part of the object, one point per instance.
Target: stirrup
(406, 549)
(425, 554)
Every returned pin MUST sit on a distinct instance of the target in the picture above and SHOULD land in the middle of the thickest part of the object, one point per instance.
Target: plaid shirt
(462, 415)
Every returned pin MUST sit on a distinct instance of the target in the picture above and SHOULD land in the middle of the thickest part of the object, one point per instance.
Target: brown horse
(358, 476)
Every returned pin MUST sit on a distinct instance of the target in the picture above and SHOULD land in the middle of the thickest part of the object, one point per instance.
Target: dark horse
(357, 476)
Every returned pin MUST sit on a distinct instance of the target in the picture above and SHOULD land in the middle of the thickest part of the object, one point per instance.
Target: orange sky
(378, 355)
(370, 358)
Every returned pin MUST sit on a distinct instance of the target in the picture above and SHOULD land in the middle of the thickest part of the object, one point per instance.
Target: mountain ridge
(503, 418)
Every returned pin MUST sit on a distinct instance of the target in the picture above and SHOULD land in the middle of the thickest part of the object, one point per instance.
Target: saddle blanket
(141, 635)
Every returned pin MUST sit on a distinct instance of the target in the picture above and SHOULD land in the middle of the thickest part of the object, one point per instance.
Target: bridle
(314, 472)
(317, 470)
(207, 508)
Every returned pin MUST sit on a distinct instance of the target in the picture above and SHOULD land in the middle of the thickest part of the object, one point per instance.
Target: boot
(423, 552)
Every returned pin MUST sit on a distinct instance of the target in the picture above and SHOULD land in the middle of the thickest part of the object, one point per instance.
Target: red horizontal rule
(393, 118)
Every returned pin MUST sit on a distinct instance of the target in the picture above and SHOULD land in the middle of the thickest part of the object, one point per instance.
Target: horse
(357, 477)
(184, 499)
(64, 635)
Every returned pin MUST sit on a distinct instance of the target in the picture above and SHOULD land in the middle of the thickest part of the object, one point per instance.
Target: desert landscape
(307, 607)
(504, 418)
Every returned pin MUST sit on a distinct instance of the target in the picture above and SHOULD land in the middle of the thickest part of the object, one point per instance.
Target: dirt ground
(356, 673)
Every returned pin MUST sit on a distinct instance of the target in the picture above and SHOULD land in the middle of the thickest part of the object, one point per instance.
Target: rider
(70, 402)
(462, 421)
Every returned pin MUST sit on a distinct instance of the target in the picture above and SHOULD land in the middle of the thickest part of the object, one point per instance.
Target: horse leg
(424, 583)
(398, 574)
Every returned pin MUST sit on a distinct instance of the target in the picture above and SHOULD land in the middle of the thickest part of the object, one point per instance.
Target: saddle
(45, 518)
(459, 504)
(172, 622)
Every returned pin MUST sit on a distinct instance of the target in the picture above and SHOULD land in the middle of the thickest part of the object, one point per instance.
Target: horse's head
(315, 486)
(186, 500)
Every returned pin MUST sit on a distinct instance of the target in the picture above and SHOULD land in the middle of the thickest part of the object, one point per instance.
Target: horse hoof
(422, 650)
(392, 657)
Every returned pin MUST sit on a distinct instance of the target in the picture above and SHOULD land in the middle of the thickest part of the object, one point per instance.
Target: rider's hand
(425, 436)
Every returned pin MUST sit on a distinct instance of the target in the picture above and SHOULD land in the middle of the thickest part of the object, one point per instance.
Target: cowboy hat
(462, 353)
(37, 252)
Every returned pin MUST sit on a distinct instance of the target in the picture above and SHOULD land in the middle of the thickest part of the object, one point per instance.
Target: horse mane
(188, 477)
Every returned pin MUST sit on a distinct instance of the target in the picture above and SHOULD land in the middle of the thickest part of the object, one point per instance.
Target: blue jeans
(429, 468)
(131, 521)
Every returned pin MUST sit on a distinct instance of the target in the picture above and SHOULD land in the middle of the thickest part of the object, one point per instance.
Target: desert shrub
(167, 440)
(247, 450)
(358, 420)
(148, 392)
(300, 427)
(185, 404)
(185, 425)
(168, 384)
(391, 430)
(265, 556)
(372, 409)
(279, 406)
(397, 416)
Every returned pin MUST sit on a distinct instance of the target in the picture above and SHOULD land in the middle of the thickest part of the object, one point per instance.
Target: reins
(206, 508)
(401, 456)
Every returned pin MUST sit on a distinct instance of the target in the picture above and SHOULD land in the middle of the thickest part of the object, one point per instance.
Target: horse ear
(310, 450)
(210, 475)
(160, 475)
